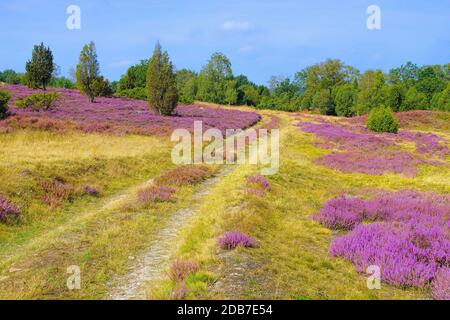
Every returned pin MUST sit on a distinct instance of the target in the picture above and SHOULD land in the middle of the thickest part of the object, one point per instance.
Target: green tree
(251, 95)
(395, 96)
(186, 85)
(61, 82)
(328, 74)
(135, 77)
(40, 68)
(431, 80)
(101, 87)
(407, 74)
(161, 83)
(323, 102)
(213, 79)
(324, 76)
(372, 91)
(88, 70)
(10, 76)
(345, 100)
(414, 100)
(441, 100)
(231, 93)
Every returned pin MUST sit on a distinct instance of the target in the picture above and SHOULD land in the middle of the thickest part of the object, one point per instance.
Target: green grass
(292, 259)
(92, 232)
(100, 234)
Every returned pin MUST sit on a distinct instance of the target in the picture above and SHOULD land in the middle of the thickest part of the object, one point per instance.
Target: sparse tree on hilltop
(40, 68)
(88, 71)
(161, 83)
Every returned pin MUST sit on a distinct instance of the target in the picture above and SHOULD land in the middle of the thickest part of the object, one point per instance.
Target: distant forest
(330, 87)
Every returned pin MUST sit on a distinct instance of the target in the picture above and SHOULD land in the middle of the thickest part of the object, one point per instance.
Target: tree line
(330, 87)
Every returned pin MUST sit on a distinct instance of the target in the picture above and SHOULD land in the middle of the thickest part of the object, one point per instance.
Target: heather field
(93, 186)
(118, 115)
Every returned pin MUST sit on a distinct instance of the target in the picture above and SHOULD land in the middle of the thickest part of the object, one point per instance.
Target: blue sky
(261, 37)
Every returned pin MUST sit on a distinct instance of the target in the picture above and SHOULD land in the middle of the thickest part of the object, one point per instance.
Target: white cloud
(122, 63)
(234, 25)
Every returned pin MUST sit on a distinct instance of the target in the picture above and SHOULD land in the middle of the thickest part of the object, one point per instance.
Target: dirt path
(150, 265)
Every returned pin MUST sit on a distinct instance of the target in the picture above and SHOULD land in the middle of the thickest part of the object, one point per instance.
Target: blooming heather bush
(341, 213)
(57, 191)
(233, 239)
(7, 210)
(184, 175)
(441, 285)
(182, 268)
(258, 185)
(401, 261)
(156, 194)
(409, 237)
(259, 181)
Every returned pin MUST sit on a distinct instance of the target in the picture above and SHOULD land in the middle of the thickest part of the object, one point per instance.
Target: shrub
(258, 185)
(38, 101)
(233, 239)
(282, 102)
(61, 82)
(7, 210)
(57, 191)
(135, 93)
(156, 194)
(4, 98)
(341, 213)
(259, 181)
(182, 268)
(382, 119)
